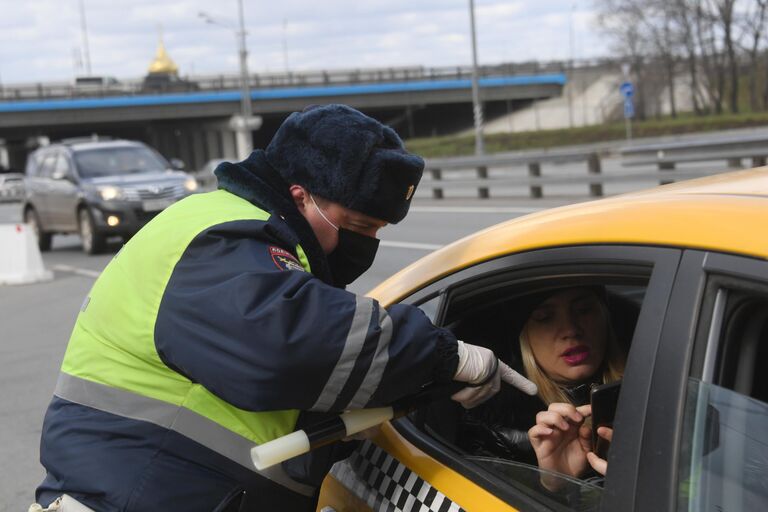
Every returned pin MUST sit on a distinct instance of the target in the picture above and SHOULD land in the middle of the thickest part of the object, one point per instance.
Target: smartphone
(603, 399)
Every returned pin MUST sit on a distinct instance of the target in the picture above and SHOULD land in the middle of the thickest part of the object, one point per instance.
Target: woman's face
(567, 335)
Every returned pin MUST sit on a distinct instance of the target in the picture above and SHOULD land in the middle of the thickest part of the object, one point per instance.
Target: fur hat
(343, 155)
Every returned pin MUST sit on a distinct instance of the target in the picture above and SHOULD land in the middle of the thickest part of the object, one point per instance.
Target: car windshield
(94, 163)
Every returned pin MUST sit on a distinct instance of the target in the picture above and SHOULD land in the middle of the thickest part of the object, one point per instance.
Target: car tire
(93, 242)
(43, 238)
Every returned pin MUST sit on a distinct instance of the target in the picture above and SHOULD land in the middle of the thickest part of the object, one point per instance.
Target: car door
(416, 461)
(708, 449)
(40, 185)
(63, 194)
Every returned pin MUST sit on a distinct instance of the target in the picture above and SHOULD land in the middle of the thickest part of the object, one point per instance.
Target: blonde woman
(565, 344)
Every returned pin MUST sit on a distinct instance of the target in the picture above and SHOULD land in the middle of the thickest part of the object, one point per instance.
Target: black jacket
(499, 427)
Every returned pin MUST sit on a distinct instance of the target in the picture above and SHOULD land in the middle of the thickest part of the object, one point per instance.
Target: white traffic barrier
(20, 260)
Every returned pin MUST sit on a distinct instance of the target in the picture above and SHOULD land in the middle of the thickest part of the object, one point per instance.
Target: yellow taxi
(687, 264)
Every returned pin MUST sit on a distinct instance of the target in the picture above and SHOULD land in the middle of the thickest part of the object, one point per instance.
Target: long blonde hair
(549, 391)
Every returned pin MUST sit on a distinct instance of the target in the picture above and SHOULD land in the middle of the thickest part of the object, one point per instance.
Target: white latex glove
(475, 367)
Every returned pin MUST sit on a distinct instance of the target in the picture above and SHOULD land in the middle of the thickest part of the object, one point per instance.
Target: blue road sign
(629, 108)
(627, 89)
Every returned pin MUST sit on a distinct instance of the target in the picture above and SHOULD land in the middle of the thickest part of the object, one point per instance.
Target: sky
(42, 40)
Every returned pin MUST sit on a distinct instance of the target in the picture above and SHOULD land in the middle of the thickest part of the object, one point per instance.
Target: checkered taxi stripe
(386, 485)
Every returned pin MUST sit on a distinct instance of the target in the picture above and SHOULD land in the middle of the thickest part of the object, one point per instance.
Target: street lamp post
(476, 105)
(246, 122)
(246, 109)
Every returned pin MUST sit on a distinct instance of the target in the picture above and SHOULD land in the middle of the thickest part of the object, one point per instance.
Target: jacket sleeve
(263, 335)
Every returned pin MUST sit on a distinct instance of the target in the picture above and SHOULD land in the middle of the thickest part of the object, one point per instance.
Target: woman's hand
(561, 441)
(598, 464)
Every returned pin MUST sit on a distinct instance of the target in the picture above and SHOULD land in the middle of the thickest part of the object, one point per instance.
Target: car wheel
(93, 242)
(43, 238)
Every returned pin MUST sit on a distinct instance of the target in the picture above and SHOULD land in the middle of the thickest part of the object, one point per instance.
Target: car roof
(725, 212)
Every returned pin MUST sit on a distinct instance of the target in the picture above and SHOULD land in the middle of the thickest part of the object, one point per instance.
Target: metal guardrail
(666, 156)
(438, 169)
(448, 173)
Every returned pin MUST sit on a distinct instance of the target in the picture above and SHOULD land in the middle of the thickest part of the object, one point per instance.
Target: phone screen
(603, 399)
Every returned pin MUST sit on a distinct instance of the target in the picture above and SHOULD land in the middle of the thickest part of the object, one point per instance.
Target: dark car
(98, 188)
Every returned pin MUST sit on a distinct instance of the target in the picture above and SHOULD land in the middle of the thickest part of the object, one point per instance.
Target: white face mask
(322, 214)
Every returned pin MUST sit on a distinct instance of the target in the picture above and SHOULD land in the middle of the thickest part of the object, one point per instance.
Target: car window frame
(625, 452)
(62, 158)
(46, 171)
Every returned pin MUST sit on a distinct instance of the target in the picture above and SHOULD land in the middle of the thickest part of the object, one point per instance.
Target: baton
(346, 424)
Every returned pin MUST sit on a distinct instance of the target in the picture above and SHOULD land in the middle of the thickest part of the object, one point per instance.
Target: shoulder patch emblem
(284, 260)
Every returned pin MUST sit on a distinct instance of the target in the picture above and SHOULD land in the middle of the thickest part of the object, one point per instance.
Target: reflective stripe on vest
(112, 347)
(187, 423)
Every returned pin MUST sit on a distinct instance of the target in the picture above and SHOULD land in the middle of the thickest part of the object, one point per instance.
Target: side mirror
(178, 163)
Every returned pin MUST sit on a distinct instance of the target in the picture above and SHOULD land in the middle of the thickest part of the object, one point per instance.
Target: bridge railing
(51, 90)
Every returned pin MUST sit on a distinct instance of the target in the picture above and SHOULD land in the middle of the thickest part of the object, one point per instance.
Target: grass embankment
(499, 142)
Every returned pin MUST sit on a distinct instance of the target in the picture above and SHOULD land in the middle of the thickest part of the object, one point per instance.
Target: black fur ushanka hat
(339, 153)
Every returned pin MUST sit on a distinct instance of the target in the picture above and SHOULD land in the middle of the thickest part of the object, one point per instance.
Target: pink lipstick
(576, 355)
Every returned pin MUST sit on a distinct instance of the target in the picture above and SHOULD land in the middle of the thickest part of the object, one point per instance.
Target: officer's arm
(263, 337)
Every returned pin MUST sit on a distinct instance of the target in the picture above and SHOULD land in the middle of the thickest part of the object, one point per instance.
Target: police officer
(224, 324)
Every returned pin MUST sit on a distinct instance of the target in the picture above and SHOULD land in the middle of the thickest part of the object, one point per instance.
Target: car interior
(483, 312)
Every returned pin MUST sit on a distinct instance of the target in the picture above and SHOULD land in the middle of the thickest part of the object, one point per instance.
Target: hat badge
(410, 192)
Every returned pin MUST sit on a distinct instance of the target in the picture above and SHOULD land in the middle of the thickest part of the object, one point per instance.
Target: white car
(11, 186)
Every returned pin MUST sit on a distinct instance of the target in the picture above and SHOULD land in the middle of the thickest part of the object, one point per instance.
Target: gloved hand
(479, 367)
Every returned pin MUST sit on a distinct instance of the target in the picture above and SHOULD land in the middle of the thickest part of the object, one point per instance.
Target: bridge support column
(243, 128)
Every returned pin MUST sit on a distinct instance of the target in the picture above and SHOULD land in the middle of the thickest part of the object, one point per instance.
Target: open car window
(480, 310)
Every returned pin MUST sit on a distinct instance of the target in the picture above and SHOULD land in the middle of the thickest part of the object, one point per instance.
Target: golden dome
(163, 63)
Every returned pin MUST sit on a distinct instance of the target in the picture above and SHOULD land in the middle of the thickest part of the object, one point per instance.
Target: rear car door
(708, 448)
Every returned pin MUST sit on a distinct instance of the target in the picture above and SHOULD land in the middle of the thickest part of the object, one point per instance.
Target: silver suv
(98, 188)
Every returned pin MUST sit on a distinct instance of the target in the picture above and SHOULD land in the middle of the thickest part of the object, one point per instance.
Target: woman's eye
(541, 317)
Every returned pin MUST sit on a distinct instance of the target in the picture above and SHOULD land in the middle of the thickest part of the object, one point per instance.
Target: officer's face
(335, 215)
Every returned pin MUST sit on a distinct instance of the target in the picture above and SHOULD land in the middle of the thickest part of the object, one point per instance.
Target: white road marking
(78, 271)
(410, 245)
(474, 209)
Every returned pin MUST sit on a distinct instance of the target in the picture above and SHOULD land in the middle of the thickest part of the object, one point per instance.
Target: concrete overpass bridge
(194, 125)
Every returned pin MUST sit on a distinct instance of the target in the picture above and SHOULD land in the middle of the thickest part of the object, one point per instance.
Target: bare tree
(725, 15)
(712, 59)
(684, 13)
(623, 21)
(754, 22)
(660, 20)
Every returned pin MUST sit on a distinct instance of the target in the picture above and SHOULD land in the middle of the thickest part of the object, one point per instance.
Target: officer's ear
(300, 197)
